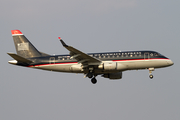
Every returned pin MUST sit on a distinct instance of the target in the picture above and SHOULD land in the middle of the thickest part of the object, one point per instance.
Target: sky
(90, 26)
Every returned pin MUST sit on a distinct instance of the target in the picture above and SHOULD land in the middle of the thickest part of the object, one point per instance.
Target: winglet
(63, 43)
(59, 38)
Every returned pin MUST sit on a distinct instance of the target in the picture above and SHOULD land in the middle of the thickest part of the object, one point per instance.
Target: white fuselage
(125, 65)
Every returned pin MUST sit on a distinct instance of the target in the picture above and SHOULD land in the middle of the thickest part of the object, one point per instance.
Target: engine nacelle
(76, 68)
(113, 75)
(112, 66)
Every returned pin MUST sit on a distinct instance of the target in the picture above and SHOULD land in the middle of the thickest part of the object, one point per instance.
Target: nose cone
(170, 62)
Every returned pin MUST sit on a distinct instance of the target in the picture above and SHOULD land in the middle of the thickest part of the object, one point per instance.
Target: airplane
(107, 64)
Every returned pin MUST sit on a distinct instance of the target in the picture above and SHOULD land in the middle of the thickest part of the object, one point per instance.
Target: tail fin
(24, 48)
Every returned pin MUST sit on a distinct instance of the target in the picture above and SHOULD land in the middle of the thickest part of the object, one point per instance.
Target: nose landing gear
(150, 73)
(151, 76)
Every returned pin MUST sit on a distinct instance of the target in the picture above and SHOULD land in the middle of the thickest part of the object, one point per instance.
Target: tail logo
(23, 46)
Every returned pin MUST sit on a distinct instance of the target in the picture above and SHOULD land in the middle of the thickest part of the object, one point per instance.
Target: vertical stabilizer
(23, 46)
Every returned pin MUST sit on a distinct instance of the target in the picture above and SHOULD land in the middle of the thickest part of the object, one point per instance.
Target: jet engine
(76, 68)
(117, 75)
(112, 66)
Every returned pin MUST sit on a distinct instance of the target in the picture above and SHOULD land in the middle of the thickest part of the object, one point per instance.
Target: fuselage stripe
(36, 65)
(143, 59)
(51, 64)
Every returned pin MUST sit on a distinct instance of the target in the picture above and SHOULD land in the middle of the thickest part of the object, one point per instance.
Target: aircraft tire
(93, 80)
(151, 76)
(89, 75)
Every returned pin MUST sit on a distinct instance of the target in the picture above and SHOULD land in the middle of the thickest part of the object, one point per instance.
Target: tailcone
(14, 62)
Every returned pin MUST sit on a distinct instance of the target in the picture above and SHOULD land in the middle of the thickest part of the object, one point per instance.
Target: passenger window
(59, 58)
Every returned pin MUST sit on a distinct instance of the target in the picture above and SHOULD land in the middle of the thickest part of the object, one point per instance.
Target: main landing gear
(150, 73)
(92, 76)
(93, 80)
(89, 75)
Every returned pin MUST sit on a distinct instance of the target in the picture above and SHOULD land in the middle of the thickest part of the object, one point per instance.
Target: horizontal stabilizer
(19, 58)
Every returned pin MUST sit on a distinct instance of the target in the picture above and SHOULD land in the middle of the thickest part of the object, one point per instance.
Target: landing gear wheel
(89, 75)
(150, 72)
(151, 76)
(93, 80)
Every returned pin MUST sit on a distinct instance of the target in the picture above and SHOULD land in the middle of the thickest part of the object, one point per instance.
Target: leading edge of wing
(81, 57)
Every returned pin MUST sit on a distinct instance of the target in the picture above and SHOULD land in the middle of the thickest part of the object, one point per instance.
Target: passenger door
(146, 56)
(52, 60)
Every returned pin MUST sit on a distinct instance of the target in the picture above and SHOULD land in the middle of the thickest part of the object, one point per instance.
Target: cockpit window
(156, 54)
(160, 54)
(151, 54)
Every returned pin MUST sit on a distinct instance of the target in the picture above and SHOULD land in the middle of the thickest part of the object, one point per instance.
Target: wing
(81, 57)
